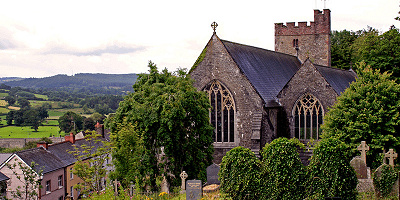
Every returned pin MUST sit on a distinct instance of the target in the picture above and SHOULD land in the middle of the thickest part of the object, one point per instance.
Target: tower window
(308, 114)
(295, 43)
(222, 112)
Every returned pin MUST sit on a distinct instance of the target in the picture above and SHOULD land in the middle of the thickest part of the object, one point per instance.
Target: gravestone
(395, 188)
(212, 174)
(164, 185)
(363, 147)
(391, 155)
(183, 176)
(194, 190)
(360, 167)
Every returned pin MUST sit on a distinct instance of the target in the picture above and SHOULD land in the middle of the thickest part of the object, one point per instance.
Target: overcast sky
(44, 38)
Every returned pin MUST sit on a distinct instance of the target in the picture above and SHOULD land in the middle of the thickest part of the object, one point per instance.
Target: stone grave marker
(391, 155)
(194, 190)
(395, 188)
(183, 176)
(360, 167)
(212, 174)
(363, 147)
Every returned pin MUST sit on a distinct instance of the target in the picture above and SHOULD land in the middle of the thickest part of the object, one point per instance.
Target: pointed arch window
(222, 112)
(308, 116)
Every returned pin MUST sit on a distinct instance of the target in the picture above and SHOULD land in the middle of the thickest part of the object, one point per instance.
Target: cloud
(98, 51)
(7, 40)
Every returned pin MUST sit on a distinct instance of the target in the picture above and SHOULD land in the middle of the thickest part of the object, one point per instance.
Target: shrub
(240, 174)
(283, 171)
(385, 181)
(330, 173)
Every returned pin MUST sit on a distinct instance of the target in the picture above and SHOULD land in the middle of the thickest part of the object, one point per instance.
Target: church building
(258, 95)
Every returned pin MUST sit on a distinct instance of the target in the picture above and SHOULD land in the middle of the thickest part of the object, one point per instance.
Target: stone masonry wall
(219, 65)
(306, 80)
(20, 142)
(313, 41)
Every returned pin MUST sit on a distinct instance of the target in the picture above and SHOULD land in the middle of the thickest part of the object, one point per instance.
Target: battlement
(320, 25)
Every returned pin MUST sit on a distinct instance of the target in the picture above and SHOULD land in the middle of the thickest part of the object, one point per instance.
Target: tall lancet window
(222, 112)
(308, 114)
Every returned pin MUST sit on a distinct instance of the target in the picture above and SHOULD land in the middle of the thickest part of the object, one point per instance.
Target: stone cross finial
(363, 147)
(391, 155)
(183, 176)
(214, 26)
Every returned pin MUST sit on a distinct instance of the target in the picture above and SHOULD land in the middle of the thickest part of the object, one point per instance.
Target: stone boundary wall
(20, 142)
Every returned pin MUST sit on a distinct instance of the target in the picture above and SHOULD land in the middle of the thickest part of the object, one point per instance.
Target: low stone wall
(20, 142)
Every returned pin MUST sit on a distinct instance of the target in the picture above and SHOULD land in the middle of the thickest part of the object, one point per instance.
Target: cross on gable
(214, 26)
(391, 155)
(363, 147)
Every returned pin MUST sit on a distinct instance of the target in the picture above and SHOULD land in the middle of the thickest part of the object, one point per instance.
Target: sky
(45, 37)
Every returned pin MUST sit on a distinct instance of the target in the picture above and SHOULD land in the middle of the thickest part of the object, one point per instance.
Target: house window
(308, 114)
(48, 186)
(222, 112)
(60, 181)
(72, 192)
(71, 175)
(61, 198)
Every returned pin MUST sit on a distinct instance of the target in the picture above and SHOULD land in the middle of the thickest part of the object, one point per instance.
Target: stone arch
(307, 113)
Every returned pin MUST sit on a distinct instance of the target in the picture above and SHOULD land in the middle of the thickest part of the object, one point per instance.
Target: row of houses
(53, 168)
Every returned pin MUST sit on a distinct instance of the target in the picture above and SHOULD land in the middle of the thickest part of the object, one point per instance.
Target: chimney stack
(70, 137)
(99, 129)
(45, 145)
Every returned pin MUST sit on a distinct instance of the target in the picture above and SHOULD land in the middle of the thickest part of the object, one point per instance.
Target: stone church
(258, 95)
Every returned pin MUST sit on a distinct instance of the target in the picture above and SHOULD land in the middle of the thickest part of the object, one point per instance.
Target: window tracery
(308, 116)
(222, 112)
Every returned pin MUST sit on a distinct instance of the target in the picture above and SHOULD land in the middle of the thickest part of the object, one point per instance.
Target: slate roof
(46, 161)
(268, 71)
(339, 79)
(3, 177)
(61, 151)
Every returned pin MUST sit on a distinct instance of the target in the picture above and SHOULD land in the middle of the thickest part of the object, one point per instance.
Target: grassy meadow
(27, 132)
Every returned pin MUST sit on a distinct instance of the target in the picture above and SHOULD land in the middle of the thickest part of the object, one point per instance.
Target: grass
(41, 96)
(51, 122)
(4, 110)
(3, 95)
(27, 132)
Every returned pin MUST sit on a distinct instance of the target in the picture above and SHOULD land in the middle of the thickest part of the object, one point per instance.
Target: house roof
(268, 71)
(4, 157)
(45, 160)
(61, 151)
(3, 177)
(339, 79)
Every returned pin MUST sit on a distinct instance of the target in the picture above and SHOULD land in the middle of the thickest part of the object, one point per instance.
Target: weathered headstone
(194, 190)
(395, 188)
(391, 155)
(212, 174)
(183, 176)
(360, 167)
(164, 185)
(363, 147)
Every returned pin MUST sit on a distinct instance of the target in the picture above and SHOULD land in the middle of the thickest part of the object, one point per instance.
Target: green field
(3, 95)
(27, 132)
(51, 122)
(4, 110)
(41, 96)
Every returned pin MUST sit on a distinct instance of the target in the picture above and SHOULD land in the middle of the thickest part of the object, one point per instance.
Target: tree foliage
(240, 174)
(29, 178)
(172, 125)
(92, 160)
(384, 181)
(10, 100)
(283, 171)
(70, 121)
(368, 110)
(330, 173)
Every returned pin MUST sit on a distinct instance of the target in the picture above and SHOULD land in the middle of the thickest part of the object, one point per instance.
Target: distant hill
(8, 79)
(84, 82)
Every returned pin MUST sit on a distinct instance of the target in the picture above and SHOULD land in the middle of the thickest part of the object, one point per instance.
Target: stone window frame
(227, 95)
(310, 104)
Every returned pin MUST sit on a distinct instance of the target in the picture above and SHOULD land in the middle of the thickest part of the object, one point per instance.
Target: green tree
(29, 179)
(342, 49)
(367, 110)
(92, 160)
(24, 103)
(32, 118)
(283, 171)
(70, 121)
(172, 118)
(330, 173)
(10, 100)
(240, 174)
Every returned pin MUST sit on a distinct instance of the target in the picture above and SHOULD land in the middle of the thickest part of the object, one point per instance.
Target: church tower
(313, 42)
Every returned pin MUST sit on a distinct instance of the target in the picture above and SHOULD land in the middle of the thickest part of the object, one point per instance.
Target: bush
(240, 174)
(385, 181)
(284, 172)
(330, 173)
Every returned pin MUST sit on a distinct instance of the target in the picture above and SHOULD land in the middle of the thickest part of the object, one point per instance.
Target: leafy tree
(32, 118)
(172, 119)
(368, 110)
(29, 179)
(10, 100)
(70, 121)
(283, 171)
(97, 117)
(381, 51)
(341, 48)
(91, 162)
(240, 174)
(88, 124)
(24, 103)
(330, 173)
